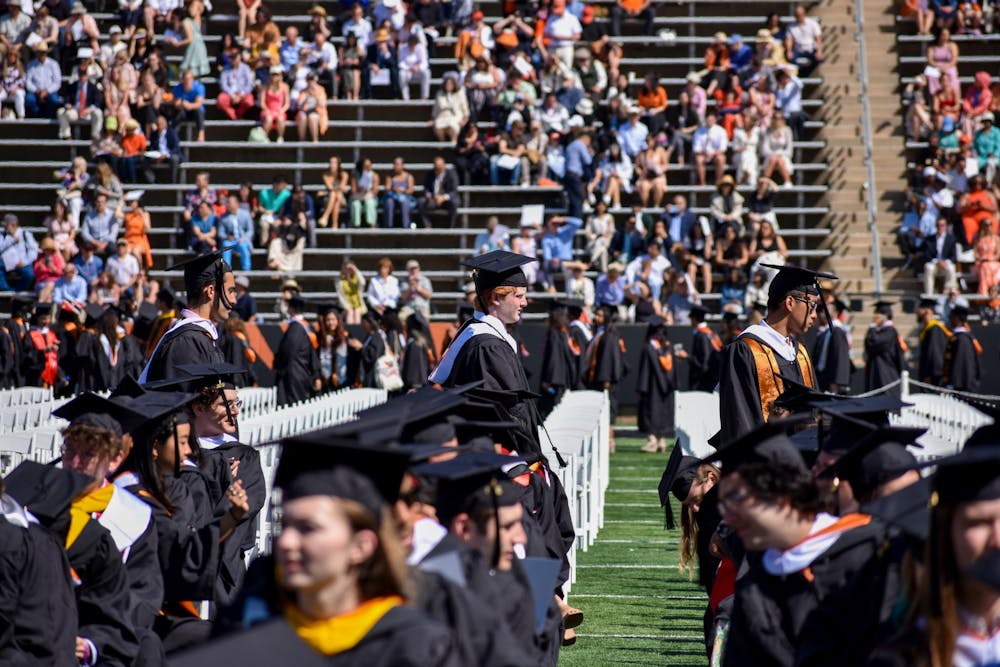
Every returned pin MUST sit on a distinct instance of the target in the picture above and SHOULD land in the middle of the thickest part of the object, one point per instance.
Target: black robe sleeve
(884, 357)
(374, 348)
(102, 598)
(739, 396)
(699, 361)
(296, 364)
(142, 569)
(963, 371)
(841, 358)
(416, 364)
(580, 356)
(656, 394)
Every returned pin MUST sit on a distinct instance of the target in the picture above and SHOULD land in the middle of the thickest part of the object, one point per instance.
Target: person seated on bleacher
(414, 67)
(48, 268)
(19, 251)
(986, 145)
(709, 145)
(189, 100)
(71, 286)
(165, 147)
(290, 47)
(14, 27)
(203, 230)
(134, 147)
(440, 193)
(381, 67)
(42, 81)
(287, 244)
(641, 10)
(986, 246)
(312, 116)
(941, 254)
(399, 185)
(100, 226)
(511, 158)
(776, 150)
(804, 42)
(323, 61)
(275, 101)
(124, 268)
(236, 228)
(788, 100)
(301, 208)
(918, 224)
(236, 85)
(557, 248)
(975, 206)
(83, 103)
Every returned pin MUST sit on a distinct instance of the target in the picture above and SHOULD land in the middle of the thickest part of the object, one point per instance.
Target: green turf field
(638, 609)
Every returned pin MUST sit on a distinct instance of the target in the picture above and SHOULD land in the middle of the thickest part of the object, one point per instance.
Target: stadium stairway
(381, 129)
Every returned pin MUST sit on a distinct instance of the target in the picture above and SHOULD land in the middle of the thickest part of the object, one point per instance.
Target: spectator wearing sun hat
(42, 81)
(83, 103)
(987, 146)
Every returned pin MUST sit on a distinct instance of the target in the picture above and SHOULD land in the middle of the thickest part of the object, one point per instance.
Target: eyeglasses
(733, 500)
(813, 305)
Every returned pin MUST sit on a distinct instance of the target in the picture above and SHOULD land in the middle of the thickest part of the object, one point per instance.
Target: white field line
(674, 541)
(600, 596)
(692, 637)
(627, 567)
(634, 521)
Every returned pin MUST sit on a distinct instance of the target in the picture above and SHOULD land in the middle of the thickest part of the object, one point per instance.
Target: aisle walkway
(639, 609)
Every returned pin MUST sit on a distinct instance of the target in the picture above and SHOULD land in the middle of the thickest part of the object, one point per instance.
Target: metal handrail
(866, 137)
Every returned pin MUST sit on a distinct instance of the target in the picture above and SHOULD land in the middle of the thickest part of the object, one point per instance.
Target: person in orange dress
(987, 249)
(137, 226)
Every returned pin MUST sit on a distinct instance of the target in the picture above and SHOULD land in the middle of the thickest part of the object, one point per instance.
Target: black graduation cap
(926, 302)
(93, 313)
(42, 309)
(878, 458)
(196, 377)
(369, 475)
(987, 569)
(324, 307)
(498, 268)
(46, 491)
(20, 303)
(505, 397)
(207, 267)
(167, 295)
(797, 397)
(677, 479)
(699, 312)
(853, 418)
(841, 305)
(883, 307)
(908, 509)
(971, 475)
(297, 301)
(471, 482)
(655, 322)
(795, 279)
(371, 429)
(767, 443)
(91, 409)
(465, 311)
(807, 442)
(144, 319)
(760, 307)
(959, 309)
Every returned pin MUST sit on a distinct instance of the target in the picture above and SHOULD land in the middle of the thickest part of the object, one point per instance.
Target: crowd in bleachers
(950, 232)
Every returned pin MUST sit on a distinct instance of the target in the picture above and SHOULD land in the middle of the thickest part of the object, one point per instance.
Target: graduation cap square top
(217, 375)
(767, 444)
(677, 479)
(152, 407)
(471, 482)
(46, 491)
(879, 457)
(971, 475)
(91, 409)
(908, 509)
(368, 475)
(498, 268)
(203, 269)
(795, 279)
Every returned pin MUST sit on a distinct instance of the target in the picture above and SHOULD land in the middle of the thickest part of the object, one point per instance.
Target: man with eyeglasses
(752, 366)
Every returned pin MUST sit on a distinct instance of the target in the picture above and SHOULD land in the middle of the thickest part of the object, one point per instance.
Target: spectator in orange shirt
(717, 63)
(632, 9)
(652, 99)
(133, 149)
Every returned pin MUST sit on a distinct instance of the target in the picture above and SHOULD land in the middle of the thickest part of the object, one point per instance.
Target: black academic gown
(88, 372)
(371, 351)
(296, 365)
(18, 330)
(559, 368)
(9, 360)
(215, 465)
(656, 385)
(707, 518)
(770, 612)
(187, 344)
(38, 624)
(581, 339)
(832, 358)
(933, 342)
(103, 602)
(547, 506)
(962, 370)
(236, 351)
(703, 362)
(606, 365)
(418, 360)
(739, 392)
(884, 358)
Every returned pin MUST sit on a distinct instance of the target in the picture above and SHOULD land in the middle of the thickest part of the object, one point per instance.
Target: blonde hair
(688, 548)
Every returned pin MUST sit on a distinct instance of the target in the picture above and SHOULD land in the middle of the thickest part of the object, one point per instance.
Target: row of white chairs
(24, 396)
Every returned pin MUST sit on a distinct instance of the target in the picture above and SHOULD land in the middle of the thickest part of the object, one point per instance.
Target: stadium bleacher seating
(382, 129)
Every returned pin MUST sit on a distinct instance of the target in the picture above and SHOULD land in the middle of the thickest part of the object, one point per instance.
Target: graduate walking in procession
(832, 352)
(656, 384)
(706, 352)
(934, 337)
(604, 365)
(885, 351)
(962, 367)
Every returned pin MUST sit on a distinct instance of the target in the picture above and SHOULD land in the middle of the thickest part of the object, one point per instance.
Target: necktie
(83, 96)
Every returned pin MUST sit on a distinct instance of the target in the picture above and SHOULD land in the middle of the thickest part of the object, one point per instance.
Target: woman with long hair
(419, 356)
(364, 193)
(656, 385)
(605, 364)
(339, 353)
(987, 265)
(333, 196)
(237, 350)
(351, 292)
(61, 228)
(560, 363)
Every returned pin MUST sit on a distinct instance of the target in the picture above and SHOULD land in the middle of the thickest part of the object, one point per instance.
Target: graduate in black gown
(605, 365)
(482, 349)
(37, 603)
(167, 306)
(884, 351)
(372, 349)
(9, 359)
(337, 579)
(193, 339)
(934, 336)
(296, 363)
(419, 357)
(559, 364)
(191, 539)
(753, 364)
(706, 352)
(962, 368)
(796, 554)
(17, 327)
(579, 335)
(656, 385)
(832, 353)
(236, 350)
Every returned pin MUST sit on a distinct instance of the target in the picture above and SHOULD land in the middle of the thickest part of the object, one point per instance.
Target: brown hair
(92, 440)
(385, 572)
(936, 590)
(689, 526)
(385, 261)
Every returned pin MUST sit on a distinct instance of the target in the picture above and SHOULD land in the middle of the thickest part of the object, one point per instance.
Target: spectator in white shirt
(323, 60)
(383, 290)
(19, 250)
(496, 237)
(804, 42)
(632, 135)
(657, 263)
(107, 52)
(42, 80)
(709, 145)
(788, 99)
(414, 67)
(359, 25)
(554, 116)
(123, 266)
(562, 29)
(14, 27)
